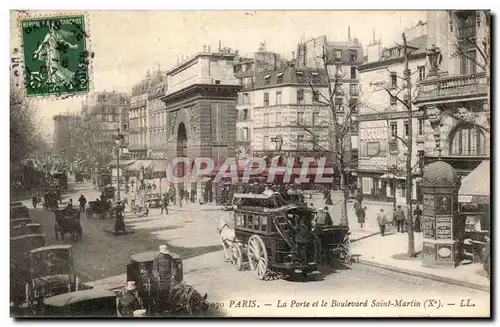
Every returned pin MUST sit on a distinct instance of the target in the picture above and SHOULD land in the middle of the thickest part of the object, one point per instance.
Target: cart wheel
(237, 257)
(257, 256)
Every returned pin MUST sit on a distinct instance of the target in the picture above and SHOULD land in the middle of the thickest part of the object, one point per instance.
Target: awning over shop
(475, 187)
(392, 176)
(138, 164)
(123, 163)
(159, 166)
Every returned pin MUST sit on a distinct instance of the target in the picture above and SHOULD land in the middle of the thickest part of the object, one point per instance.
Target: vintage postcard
(250, 163)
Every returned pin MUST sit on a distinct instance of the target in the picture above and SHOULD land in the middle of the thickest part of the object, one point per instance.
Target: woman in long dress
(48, 52)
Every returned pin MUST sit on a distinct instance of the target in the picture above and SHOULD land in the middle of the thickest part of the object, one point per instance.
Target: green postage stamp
(56, 58)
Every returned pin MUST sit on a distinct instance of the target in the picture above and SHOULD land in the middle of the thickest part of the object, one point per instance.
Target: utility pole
(409, 181)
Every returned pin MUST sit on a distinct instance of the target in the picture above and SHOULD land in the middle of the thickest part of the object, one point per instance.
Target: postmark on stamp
(56, 58)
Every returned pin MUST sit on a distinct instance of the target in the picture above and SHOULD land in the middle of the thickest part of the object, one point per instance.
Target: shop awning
(475, 187)
(123, 163)
(392, 176)
(160, 166)
(138, 164)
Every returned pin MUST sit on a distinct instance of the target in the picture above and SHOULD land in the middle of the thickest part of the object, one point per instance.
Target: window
(315, 143)
(406, 99)
(267, 79)
(265, 142)
(245, 134)
(279, 78)
(301, 78)
(266, 99)
(300, 96)
(394, 80)
(353, 105)
(353, 90)
(278, 97)
(278, 118)
(394, 128)
(338, 55)
(403, 189)
(301, 142)
(339, 104)
(245, 98)
(315, 78)
(266, 119)
(245, 114)
(338, 70)
(263, 223)
(316, 95)
(468, 62)
(467, 139)
(406, 128)
(420, 127)
(353, 72)
(300, 118)
(315, 118)
(421, 73)
(393, 100)
(353, 55)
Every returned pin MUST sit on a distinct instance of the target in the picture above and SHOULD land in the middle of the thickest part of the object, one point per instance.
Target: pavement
(190, 232)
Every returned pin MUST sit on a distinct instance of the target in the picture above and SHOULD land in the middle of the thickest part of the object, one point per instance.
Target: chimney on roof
(204, 48)
(349, 33)
(208, 48)
(220, 45)
(293, 55)
(373, 37)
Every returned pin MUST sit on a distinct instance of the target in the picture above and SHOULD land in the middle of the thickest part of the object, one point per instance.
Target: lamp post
(118, 141)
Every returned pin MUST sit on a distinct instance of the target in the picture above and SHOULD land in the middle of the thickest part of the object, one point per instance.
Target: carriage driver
(129, 302)
(163, 274)
(303, 237)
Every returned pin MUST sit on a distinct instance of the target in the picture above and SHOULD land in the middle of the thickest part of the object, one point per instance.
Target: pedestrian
(83, 202)
(163, 275)
(361, 213)
(34, 201)
(418, 216)
(303, 237)
(329, 198)
(128, 303)
(119, 221)
(399, 215)
(164, 204)
(382, 221)
(148, 205)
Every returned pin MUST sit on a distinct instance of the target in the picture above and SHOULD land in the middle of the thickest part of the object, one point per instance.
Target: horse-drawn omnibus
(265, 228)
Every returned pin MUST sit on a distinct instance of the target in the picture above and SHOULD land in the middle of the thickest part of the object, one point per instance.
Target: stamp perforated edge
(23, 15)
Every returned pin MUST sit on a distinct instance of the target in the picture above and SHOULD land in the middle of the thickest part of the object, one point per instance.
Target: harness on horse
(220, 230)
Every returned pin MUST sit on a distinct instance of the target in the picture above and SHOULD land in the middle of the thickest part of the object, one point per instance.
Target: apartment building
(138, 119)
(383, 119)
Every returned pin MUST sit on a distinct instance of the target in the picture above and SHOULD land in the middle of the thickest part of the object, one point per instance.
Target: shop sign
(374, 163)
(428, 228)
(443, 228)
(373, 131)
(464, 198)
(429, 205)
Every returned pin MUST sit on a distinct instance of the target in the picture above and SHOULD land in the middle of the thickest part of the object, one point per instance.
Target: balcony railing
(460, 86)
(138, 103)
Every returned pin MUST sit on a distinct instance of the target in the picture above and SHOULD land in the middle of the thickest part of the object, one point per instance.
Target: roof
(65, 299)
(477, 183)
(52, 247)
(26, 236)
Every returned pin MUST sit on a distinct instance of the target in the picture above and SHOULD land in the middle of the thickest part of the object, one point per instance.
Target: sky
(127, 44)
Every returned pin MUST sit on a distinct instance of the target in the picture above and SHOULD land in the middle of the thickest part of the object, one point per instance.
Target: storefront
(474, 199)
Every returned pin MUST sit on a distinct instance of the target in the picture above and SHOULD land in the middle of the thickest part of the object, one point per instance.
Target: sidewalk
(388, 252)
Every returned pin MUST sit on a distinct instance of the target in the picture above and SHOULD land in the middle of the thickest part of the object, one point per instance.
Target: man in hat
(129, 302)
(162, 275)
(119, 221)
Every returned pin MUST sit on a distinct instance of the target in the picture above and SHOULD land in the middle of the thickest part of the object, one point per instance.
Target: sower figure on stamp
(162, 278)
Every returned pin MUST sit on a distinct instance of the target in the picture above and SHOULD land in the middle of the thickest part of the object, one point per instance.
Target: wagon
(265, 229)
(109, 192)
(20, 247)
(154, 198)
(51, 273)
(19, 212)
(140, 269)
(333, 243)
(87, 303)
(16, 204)
(19, 222)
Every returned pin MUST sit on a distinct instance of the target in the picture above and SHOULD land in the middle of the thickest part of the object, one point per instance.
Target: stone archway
(182, 140)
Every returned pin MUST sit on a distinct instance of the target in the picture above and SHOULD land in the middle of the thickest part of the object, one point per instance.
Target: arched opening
(181, 149)
(467, 140)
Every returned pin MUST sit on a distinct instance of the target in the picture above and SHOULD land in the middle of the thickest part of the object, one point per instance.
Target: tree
(395, 91)
(25, 132)
(336, 140)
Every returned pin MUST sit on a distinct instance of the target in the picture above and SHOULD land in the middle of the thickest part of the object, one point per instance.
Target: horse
(66, 224)
(227, 236)
(184, 299)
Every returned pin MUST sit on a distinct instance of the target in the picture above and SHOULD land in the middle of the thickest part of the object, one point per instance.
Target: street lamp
(118, 138)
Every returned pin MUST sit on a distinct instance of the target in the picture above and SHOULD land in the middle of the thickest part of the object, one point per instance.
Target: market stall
(474, 200)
